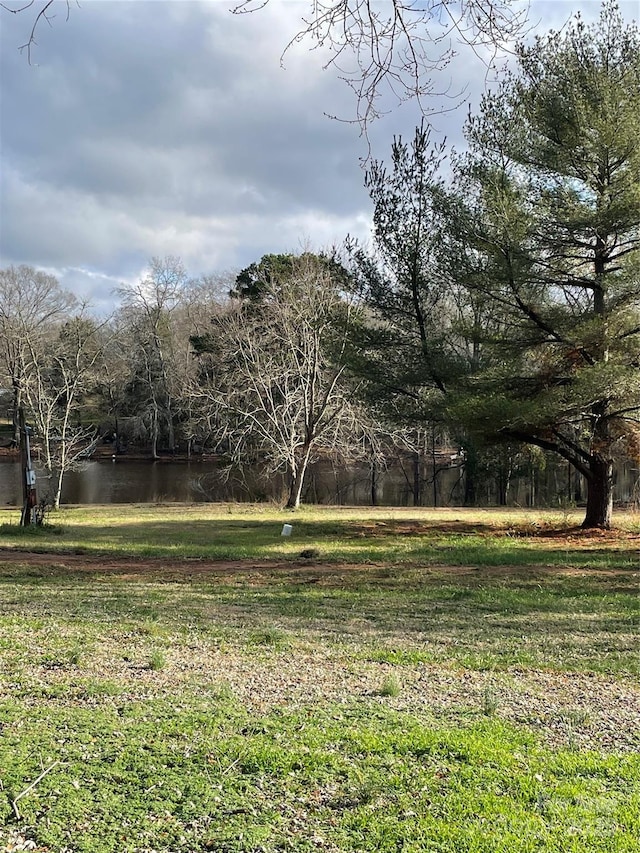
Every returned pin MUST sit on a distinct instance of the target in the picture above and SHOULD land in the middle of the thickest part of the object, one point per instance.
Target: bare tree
(59, 371)
(275, 374)
(43, 11)
(396, 46)
(31, 301)
(201, 299)
(147, 310)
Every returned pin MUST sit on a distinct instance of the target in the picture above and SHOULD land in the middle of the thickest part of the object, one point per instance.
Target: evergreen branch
(552, 446)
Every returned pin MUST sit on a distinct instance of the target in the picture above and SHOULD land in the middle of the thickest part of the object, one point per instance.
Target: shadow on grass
(383, 540)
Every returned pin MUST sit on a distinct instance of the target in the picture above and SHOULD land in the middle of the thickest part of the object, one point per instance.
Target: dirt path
(175, 569)
(105, 563)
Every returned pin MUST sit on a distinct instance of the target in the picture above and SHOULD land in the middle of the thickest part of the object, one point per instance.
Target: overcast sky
(169, 127)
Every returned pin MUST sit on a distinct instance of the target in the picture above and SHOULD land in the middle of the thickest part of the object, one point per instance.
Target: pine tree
(547, 229)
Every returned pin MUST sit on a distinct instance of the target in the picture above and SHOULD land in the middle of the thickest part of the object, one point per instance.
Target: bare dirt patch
(134, 566)
(541, 531)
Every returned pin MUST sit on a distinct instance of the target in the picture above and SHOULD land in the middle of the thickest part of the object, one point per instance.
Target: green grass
(359, 535)
(400, 616)
(411, 702)
(211, 779)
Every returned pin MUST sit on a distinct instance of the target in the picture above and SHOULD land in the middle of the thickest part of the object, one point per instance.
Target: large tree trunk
(295, 490)
(599, 493)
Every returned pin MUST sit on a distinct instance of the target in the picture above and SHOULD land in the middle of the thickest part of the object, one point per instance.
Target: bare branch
(43, 14)
(396, 46)
(14, 801)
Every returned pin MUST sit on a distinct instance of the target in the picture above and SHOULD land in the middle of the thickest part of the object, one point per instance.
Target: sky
(145, 128)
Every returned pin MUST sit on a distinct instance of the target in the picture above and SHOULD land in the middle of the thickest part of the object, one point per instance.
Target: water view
(108, 481)
(104, 482)
(114, 482)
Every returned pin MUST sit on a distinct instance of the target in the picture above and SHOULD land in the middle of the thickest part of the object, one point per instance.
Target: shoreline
(8, 454)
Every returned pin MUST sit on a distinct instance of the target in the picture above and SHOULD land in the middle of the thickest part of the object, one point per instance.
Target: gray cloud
(152, 128)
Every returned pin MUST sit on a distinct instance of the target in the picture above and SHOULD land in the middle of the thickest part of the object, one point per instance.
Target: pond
(119, 481)
(112, 482)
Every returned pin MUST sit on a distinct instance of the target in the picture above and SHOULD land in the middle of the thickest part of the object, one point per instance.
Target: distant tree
(275, 380)
(200, 300)
(259, 281)
(254, 281)
(31, 303)
(146, 325)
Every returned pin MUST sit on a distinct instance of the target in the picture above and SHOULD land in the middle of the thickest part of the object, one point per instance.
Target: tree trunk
(502, 488)
(374, 482)
(58, 491)
(417, 483)
(470, 470)
(505, 473)
(297, 480)
(17, 404)
(435, 469)
(154, 434)
(28, 492)
(599, 493)
(170, 430)
(295, 490)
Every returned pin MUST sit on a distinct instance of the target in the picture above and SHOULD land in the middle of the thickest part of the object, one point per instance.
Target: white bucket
(286, 529)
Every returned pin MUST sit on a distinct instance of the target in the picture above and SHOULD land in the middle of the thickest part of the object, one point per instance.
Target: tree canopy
(276, 377)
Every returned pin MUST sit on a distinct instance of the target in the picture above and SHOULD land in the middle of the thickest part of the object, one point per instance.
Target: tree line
(498, 303)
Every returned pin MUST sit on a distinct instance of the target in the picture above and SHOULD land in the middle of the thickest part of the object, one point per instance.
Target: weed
(76, 656)
(576, 716)
(389, 687)
(269, 636)
(490, 700)
(157, 660)
(43, 530)
(221, 692)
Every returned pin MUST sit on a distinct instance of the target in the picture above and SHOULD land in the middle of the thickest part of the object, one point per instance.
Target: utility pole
(29, 496)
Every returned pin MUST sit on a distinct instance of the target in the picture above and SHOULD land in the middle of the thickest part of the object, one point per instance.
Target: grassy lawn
(382, 680)
(361, 535)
